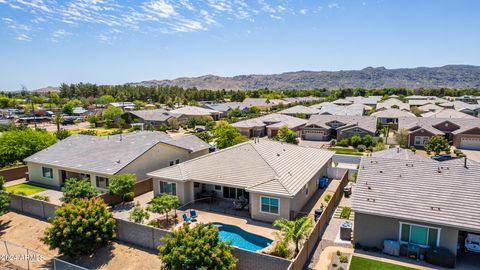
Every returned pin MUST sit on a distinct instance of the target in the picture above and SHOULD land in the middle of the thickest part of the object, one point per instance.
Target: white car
(472, 242)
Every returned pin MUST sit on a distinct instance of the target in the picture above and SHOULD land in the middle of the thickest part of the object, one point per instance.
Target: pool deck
(247, 224)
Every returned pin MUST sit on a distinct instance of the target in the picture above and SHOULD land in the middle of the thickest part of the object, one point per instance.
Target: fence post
(28, 260)
(8, 253)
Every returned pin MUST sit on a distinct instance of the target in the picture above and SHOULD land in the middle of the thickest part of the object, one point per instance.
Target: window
(172, 163)
(269, 205)
(168, 188)
(47, 172)
(177, 161)
(102, 182)
(420, 235)
(219, 188)
(420, 140)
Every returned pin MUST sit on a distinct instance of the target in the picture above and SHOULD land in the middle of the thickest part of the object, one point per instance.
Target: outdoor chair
(185, 218)
(193, 214)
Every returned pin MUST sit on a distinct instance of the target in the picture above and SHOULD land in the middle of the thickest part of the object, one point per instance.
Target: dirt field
(27, 231)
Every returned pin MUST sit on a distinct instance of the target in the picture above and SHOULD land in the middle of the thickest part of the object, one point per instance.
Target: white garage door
(312, 135)
(470, 143)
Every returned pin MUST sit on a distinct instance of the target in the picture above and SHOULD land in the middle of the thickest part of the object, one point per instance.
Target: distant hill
(48, 89)
(451, 76)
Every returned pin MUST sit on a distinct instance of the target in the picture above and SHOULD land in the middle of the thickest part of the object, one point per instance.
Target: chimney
(465, 163)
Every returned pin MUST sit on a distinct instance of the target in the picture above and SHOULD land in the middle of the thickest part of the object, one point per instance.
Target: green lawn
(346, 151)
(25, 188)
(359, 263)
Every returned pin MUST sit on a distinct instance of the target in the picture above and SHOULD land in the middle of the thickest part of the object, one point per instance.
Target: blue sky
(47, 42)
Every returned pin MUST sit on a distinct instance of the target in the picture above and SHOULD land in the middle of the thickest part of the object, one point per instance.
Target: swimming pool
(242, 239)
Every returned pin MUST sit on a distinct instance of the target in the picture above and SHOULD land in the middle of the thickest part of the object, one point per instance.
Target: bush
(367, 140)
(343, 142)
(129, 196)
(199, 247)
(154, 223)
(413, 149)
(380, 140)
(62, 134)
(90, 132)
(333, 142)
(281, 250)
(356, 140)
(80, 227)
(345, 214)
(138, 214)
(41, 198)
(78, 189)
(340, 268)
(327, 198)
(339, 253)
(361, 148)
(343, 259)
(122, 184)
(4, 202)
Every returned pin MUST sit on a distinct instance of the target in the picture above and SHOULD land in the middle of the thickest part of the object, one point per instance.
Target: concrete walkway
(16, 182)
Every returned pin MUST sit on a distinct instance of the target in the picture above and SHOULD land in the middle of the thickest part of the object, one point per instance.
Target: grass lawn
(25, 188)
(346, 151)
(359, 263)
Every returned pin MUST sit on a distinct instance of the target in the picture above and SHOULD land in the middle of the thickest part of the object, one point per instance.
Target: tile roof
(398, 153)
(371, 100)
(153, 115)
(392, 113)
(463, 123)
(447, 113)
(299, 109)
(271, 120)
(352, 110)
(391, 102)
(108, 154)
(430, 107)
(262, 166)
(365, 122)
(193, 111)
(441, 193)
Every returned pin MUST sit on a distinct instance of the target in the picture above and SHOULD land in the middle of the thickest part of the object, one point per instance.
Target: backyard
(25, 189)
(346, 151)
(359, 263)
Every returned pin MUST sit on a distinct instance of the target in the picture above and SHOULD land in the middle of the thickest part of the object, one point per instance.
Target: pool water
(240, 238)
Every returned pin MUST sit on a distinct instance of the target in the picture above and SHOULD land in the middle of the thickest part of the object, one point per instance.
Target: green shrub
(129, 196)
(339, 253)
(333, 142)
(340, 268)
(90, 132)
(367, 140)
(361, 148)
(41, 198)
(78, 189)
(281, 250)
(345, 214)
(356, 140)
(343, 142)
(138, 214)
(154, 223)
(343, 259)
(413, 149)
(327, 198)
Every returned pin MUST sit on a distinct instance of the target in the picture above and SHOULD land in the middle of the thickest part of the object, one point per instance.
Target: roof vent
(439, 170)
(278, 154)
(370, 200)
(465, 163)
(117, 161)
(434, 208)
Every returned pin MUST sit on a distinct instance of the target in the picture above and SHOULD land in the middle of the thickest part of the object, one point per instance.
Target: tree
(356, 140)
(367, 140)
(173, 123)
(437, 144)
(68, 108)
(17, 144)
(122, 184)
(199, 247)
(93, 121)
(287, 135)
(4, 202)
(58, 119)
(112, 115)
(164, 204)
(106, 99)
(401, 137)
(54, 98)
(62, 134)
(226, 135)
(78, 189)
(204, 136)
(294, 230)
(80, 227)
(138, 214)
(235, 112)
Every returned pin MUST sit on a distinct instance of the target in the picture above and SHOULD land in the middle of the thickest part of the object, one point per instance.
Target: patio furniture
(413, 251)
(185, 218)
(391, 247)
(193, 214)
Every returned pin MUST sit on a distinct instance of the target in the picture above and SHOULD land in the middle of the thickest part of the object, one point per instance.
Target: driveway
(472, 154)
(314, 144)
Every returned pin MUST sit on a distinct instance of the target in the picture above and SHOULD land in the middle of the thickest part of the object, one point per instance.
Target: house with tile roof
(392, 103)
(422, 203)
(100, 157)
(269, 124)
(300, 110)
(327, 127)
(277, 179)
(155, 117)
(329, 108)
(391, 116)
(187, 112)
(463, 133)
(446, 113)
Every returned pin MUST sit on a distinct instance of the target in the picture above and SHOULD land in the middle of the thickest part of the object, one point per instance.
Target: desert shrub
(345, 214)
(361, 148)
(41, 198)
(281, 250)
(343, 259)
(327, 198)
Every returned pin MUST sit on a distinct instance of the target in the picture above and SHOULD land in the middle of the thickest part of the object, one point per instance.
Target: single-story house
(125, 105)
(156, 117)
(327, 127)
(295, 100)
(277, 179)
(369, 101)
(391, 116)
(447, 113)
(462, 132)
(430, 107)
(222, 108)
(187, 112)
(268, 125)
(328, 108)
(101, 157)
(342, 102)
(471, 109)
(469, 99)
(398, 153)
(392, 103)
(424, 203)
(299, 110)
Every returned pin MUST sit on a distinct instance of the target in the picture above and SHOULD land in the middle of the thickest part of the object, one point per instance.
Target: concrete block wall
(32, 206)
(248, 260)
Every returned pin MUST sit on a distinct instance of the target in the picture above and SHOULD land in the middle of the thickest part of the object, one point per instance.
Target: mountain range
(450, 76)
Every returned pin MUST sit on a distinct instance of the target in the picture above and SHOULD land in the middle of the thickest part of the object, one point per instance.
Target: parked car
(472, 242)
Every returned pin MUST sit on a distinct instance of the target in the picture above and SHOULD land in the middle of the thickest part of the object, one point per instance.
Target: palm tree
(294, 230)
(58, 120)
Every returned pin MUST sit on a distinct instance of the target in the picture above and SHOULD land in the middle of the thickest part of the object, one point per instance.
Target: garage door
(470, 143)
(312, 135)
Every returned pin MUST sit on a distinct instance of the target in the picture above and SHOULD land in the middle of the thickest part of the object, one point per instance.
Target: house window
(47, 172)
(172, 163)
(168, 188)
(177, 161)
(420, 140)
(102, 182)
(269, 205)
(218, 188)
(420, 235)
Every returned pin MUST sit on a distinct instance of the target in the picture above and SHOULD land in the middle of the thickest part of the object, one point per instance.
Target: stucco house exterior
(155, 117)
(187, 112)
(421, 202)
(101, 157)
(268, 125)
(277, 179)
(327, 127)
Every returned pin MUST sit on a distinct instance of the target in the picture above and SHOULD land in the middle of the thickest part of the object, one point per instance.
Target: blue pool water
(240, 238)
